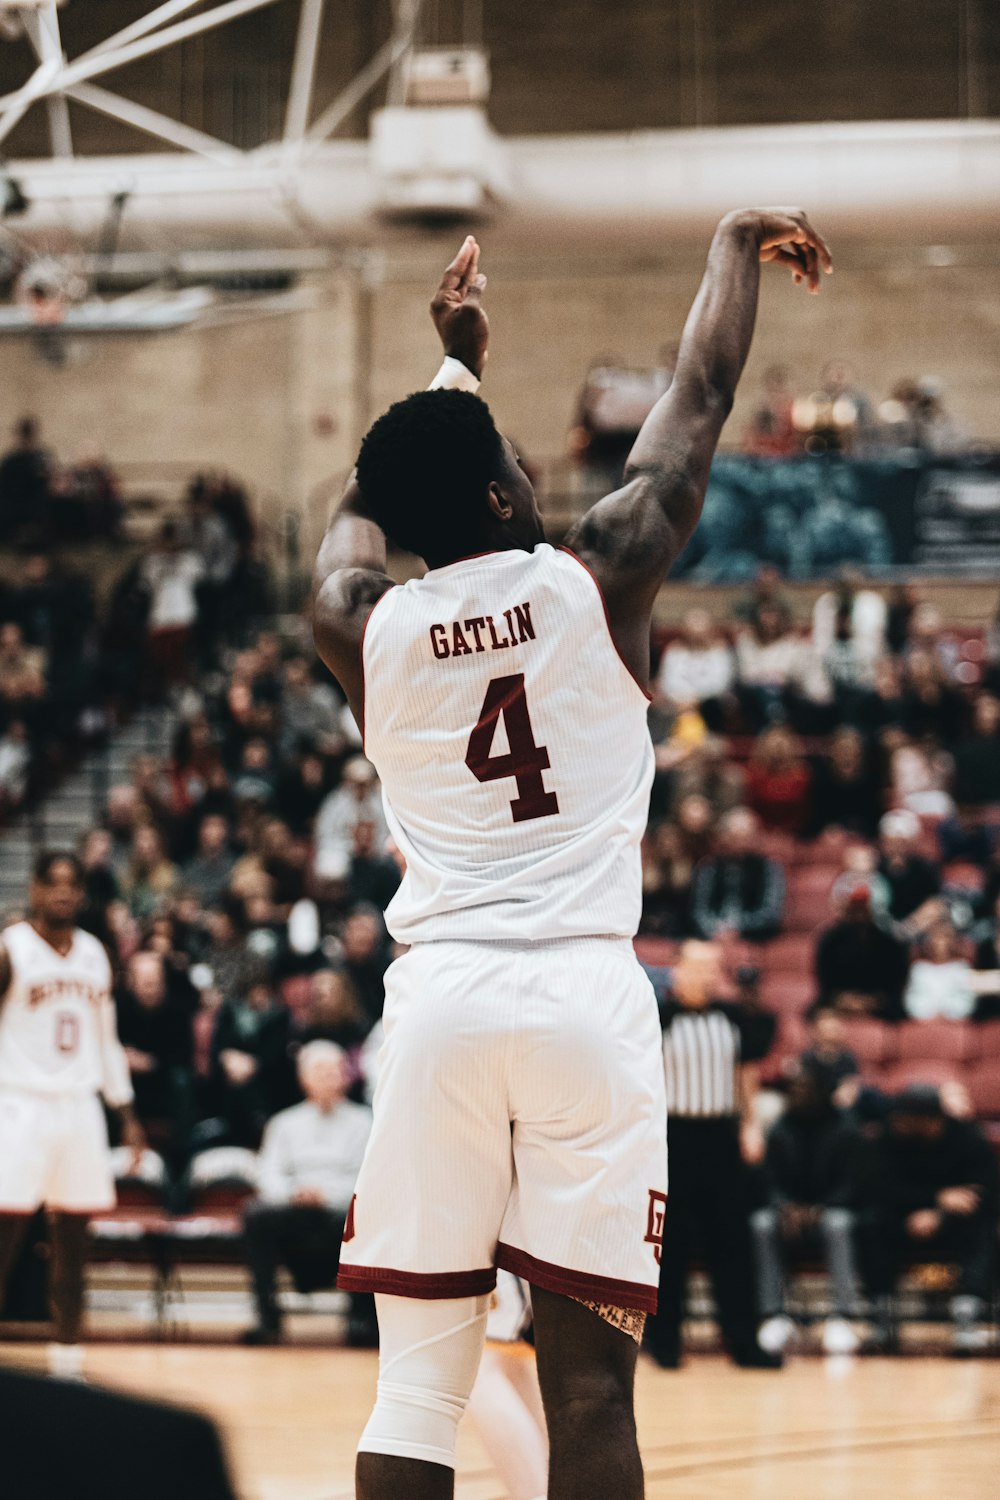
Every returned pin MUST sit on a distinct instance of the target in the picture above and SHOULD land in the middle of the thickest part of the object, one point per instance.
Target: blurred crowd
(240, 884)
(836, 415)
(78, 652)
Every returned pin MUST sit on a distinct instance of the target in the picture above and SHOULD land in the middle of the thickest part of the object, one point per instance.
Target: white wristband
(453, 376)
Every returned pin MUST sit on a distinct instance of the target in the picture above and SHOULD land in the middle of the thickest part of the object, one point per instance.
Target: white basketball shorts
(519, 1122)
(54, 1150)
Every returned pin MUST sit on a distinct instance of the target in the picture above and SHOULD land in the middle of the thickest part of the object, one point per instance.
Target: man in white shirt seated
(309, 1161)
(697, 669)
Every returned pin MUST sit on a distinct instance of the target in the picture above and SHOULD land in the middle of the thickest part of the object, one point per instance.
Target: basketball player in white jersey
(519, 1112)
(59, 1050)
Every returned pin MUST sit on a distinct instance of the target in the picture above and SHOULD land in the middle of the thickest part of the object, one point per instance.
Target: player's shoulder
(91, 950)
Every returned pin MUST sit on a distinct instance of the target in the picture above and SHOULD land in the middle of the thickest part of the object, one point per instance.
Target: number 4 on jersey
(525, 760)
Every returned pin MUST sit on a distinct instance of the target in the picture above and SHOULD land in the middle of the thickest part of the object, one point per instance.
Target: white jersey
(57, 1021)
(513, 748)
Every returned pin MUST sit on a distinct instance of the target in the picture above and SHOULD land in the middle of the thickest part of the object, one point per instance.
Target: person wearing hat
(860, 967)
(932, 1196)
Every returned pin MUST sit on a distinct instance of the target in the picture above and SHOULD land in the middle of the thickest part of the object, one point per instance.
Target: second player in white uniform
(59, 1054)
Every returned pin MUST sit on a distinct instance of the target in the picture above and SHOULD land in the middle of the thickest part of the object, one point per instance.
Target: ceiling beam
(300, 91)
(150, 121)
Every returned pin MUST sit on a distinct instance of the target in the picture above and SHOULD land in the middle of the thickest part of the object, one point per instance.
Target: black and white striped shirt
(701, 1054)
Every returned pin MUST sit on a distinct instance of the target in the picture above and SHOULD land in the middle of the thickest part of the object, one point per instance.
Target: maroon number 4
(525, 760)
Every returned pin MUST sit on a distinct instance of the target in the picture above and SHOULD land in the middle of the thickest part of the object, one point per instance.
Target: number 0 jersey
(57, 1020)
(512, 744)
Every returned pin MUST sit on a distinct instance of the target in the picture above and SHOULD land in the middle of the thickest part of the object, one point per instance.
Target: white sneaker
(776, 1334)
(66, 1361)
(839, 1337)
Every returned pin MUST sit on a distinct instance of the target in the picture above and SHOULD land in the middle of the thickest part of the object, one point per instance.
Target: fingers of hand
(456, 272)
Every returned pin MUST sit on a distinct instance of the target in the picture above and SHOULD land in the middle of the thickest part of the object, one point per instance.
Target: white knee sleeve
(429, 1356)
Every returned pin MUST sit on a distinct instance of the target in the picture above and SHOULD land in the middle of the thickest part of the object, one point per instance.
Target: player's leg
(68, 1244)
(586, 1369)
(13, 1232)
(429, 1353)
(511, 1427)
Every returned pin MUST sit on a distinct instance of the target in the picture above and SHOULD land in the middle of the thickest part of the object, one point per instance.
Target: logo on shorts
(654, 1222)
(348, 1233)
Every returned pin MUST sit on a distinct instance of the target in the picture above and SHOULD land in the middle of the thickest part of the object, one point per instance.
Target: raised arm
(631, 538)
(350, 573)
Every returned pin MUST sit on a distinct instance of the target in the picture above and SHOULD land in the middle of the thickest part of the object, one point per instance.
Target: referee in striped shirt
(710, 1089)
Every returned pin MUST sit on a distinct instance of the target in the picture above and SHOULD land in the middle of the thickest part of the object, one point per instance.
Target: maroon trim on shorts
(642, 686)
(427, 1288)
(361, 658)
(579, 1285)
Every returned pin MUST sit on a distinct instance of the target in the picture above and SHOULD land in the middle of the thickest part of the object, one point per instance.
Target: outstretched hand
(786, 237)
(457, 310)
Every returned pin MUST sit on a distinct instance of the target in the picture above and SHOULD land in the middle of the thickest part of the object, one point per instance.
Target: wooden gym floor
(909, 1429)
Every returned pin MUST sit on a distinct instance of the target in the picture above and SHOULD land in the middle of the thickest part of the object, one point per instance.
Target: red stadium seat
(964, 875)
(874, 1043)
(788, 993)
(983, 1082)
(944, 1041)
(926, 1070)
(792, 954)
(807, 911)
(655, 951)
(987, 1041)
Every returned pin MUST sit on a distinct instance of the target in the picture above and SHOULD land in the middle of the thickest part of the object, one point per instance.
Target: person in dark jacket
(740, 890)
(859, 967)
(249, 1060)
(914, 882)
(932, 1196)
(155, 1028)
(846, 791)
(810, 1168)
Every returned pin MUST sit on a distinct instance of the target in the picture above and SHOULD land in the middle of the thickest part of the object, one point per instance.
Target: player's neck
(493, 542)
(59, 937)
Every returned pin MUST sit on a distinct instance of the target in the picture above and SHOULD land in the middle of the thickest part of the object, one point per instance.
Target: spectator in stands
(333, 1013)
(915, 416)
(372, 878)
(87, 503)
(155, 1030)
(25, 483)
(100, 881)
(207, 874)
(914, 883)
(666, 883)
(150, 878)
(838, 417)
(828, 1059)
(933, 1197)
(210, 540)
(357, 800)
(309, 1161)
(846, 795)
(812, 1185)
(15, 764)
(926, 635)
(123, 816)
(775, 667)
(779, 782)
(766, 593)
(22, 668)
(226, 955)
(977, 757)
(310, 711)
(254, 778)
(171, 573)
(920, 773)
(364, 958)
(697, 670)
(772, 432)
(740, 891)
(860, 968)
(849, 625)
(941, 980)
(302, 788)
(249, 1048)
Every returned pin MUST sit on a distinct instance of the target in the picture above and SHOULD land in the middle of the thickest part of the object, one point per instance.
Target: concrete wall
(283, 401)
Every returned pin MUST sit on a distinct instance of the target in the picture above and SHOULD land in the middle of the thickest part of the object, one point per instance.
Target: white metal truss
(57, 79)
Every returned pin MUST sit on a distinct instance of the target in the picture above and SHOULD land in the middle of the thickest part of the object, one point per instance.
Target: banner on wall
(810, 516)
